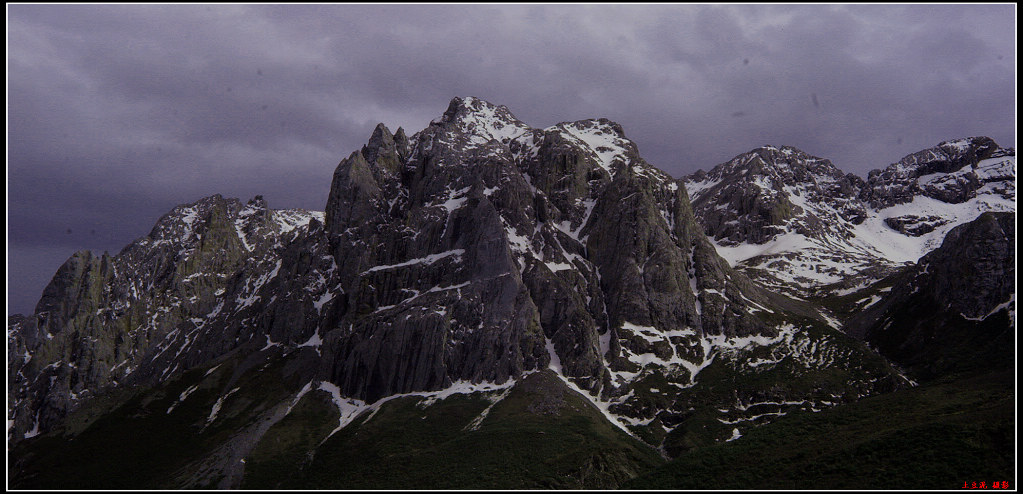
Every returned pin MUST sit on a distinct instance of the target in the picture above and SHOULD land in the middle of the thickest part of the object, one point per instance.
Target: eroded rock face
(974, 270)
(913, 225)
(561, 234)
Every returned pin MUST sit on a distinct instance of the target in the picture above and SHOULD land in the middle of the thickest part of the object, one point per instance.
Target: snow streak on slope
(350, 409)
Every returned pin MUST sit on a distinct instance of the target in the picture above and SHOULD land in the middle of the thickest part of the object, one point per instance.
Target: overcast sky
(117, 113)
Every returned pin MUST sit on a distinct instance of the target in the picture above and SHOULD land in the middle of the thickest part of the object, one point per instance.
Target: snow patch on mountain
(600, 138)
(875, 232)
(813, 230)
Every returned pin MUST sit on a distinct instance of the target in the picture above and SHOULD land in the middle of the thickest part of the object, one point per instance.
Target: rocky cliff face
(796, 223)
(955, 310)
(495, 233)
(149, 312)
(473, 253)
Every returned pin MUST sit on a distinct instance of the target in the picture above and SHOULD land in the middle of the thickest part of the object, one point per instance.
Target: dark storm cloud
(117, 113)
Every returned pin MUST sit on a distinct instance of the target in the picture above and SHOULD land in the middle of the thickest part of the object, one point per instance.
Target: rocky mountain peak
(571, 240)
(187, 214)
(766, 192)
(971, 149)
(784, 165)
(952, 171)
(544, 276)
(382, 138)
(106, 321)
(607, 145)
(385, 150)
(481, 119)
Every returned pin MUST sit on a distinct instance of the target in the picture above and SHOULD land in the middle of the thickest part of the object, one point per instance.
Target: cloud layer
(117, 113)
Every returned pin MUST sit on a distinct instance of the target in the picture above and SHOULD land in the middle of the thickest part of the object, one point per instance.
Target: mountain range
(545, 295)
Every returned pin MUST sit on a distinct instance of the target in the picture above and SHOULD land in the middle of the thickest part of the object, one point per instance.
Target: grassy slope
(723, 381)
(541, 435)
(936, 436)
(138, 445)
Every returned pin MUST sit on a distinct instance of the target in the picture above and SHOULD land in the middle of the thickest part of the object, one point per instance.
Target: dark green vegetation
(139, 445)
(541, 435)
(935, 436)
(819, 368)
(966, 346)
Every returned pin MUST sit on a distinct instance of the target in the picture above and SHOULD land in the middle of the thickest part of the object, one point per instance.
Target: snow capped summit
(602, 137)
(923, 196)
(474, 123)
(481, 120)
(759, 186)
(786, 162)
(253, 222)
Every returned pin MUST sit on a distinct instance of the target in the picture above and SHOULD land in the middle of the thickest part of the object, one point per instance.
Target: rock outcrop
(955, 310)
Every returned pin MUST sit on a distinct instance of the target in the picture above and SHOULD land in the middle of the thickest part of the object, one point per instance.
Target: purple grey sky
(117, 113)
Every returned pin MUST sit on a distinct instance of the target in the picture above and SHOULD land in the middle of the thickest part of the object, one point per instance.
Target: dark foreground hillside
(538, 434)
(541, 435)
(936, 436)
